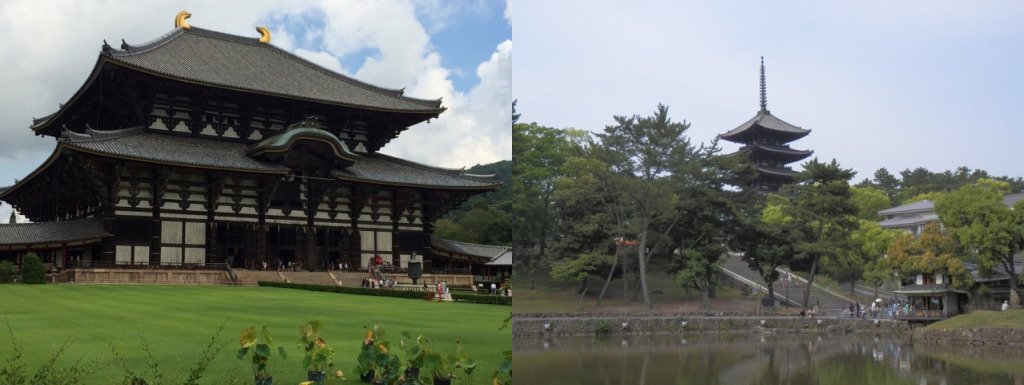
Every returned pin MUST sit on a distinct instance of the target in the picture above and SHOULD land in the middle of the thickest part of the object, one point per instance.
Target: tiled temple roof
(219, 59)
(51, 232)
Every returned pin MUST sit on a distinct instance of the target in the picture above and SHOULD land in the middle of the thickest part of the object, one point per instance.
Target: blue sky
(900, 85)
(459, 51)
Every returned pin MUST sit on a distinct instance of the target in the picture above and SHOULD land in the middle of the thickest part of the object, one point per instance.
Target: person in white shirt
(1006, 305)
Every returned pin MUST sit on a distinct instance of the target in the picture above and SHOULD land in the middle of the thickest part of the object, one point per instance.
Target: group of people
(375, 283)
(878, 309)
(339, 265)
(503, 290)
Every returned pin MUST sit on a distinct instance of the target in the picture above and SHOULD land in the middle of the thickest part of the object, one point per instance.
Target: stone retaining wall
(631, 325)
(145, 276)
(969, 337)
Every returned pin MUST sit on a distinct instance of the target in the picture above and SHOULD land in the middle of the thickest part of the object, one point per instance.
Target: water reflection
(760, 359)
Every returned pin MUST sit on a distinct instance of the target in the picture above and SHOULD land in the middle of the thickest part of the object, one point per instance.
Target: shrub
(413, 294)
(32, 269)
(7, 272)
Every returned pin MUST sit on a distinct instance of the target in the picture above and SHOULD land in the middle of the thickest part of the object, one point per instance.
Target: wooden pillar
(261, 244)
(264, 195)
(158, 187)
(311, 260)
(113, 177)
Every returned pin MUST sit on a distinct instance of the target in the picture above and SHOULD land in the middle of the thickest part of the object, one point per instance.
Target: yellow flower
(383, 349)
(369, 337)
(320, 342)
(339, 374)
(306, 383)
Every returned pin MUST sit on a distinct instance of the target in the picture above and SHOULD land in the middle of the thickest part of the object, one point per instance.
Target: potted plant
(439, 369)
(258, 346)
(376, 364)
(318, 357)
(416, 352)
(503, 375)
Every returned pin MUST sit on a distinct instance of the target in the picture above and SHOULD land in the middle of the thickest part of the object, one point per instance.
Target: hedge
(482, 298)
(413, 294)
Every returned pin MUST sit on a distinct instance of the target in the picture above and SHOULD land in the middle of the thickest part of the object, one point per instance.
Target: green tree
(8, 272)
(538, 153)
(579, 269)
(767, 243)
(869, 202)
(984, 224)
(877, 273)
(714, 214)
(648, 150)
(821, 203)
(888, 183)
(32, 269)
(868, 244)
(587, 221)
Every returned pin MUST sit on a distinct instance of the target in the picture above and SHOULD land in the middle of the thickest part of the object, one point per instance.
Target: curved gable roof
(221, 60)
(224, 60)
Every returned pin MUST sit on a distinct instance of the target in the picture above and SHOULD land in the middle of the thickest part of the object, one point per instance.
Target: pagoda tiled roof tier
(48, 233)
(776, 171)
(139, 144)
(782, 153)
(243, 63)
(764, 121)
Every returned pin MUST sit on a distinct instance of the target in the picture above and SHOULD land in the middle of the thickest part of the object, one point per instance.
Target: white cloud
(477, 126)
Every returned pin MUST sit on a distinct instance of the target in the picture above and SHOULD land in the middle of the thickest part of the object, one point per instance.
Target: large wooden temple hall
(202, 147)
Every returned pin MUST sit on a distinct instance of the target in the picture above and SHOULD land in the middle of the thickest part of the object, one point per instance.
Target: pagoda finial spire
(764, 89)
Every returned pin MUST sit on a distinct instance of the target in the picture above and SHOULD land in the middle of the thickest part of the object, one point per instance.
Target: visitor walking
(494, 289)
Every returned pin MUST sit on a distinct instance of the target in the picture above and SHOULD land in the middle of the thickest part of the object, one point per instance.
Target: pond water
(760, 359)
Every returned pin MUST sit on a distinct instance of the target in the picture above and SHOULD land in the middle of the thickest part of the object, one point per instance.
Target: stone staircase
(250, 277)
(789, 292)
(309, 277)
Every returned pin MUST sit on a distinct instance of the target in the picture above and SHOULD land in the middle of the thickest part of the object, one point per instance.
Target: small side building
(487, 263)
(931, 298)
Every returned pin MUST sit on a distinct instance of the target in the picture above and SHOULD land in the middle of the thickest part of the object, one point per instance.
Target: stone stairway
(250, 277)
(788, 291)
(310, 277)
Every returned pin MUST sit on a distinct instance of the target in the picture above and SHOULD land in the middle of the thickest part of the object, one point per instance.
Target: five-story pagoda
(765, 139)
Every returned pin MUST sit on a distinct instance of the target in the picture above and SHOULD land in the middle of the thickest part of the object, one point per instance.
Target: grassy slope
(1010, 319)
(178, 321)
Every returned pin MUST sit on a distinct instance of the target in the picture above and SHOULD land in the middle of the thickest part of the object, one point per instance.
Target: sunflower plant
(318, 356)
(258, 347)
(376, 362)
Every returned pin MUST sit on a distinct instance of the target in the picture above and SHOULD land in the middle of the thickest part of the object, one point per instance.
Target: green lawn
(178, 321)
(1010, 319)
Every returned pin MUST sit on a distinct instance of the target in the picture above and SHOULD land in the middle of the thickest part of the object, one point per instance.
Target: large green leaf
(262, 350)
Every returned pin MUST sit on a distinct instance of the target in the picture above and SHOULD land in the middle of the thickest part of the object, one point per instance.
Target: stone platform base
(148, 276)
